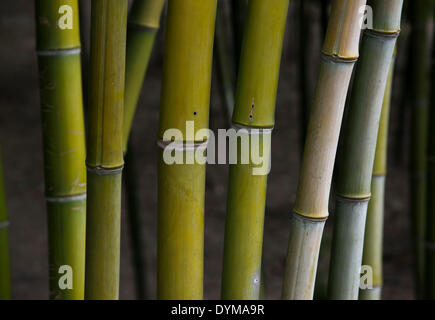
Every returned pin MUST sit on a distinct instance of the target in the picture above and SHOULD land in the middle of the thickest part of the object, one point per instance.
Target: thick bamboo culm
(254, 109)
(429, 289)
(5, 276)
(185, 97)
(105, 155)
(143, 24)
(358, 149)
(58, 50)
(339, 53)
(422, 27)
(374, 230)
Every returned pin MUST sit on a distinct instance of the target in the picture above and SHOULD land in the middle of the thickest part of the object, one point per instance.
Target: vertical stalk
(238, 15)
(429, 290)
(143, 25)
(303, 61)
(422, 22)
(373, 238)
(225, 62)
(105, 157)
(58, 50)
(340, 51)
(359, 145)
(5, 276)
(253, 118)
(185, 101)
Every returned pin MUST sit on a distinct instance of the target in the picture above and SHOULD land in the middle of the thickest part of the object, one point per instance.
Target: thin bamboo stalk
(421, 44)
(238, 13)
(429, 289)
(105, 155)
(224, 61)
(310, 212)
(181, 187)
(254, 109)
(5, 276)
(58, 51)
(373, 238)
(359, 145)
(143, 25)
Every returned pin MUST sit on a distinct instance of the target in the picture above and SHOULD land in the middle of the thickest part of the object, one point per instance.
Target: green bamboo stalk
(373, 238)
(58, 50)
(310, 212)
(5, 276)
(429, 289)
(143, 24)
(181, 187)
(254, 109)
(359, 145)
(422, 22)
(142, 27)
(105, 155)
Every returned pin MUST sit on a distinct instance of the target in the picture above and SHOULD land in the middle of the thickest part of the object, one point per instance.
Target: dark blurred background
(21, 141)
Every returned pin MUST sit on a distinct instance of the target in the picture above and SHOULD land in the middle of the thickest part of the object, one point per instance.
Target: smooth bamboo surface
(61, 97)
(421, 45)
(357, 155)
(181, 187)
(5, 276)
(340, 50)
(374, 230)
(105, 154)
(255, 108)
(143, 25)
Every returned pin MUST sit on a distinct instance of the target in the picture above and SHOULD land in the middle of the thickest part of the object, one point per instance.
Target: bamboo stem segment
(373, 238)
(181, 187)
(340, 51)
(255, 108)
(105, 154)
(5, 276)
(143, 25)
(359, 146)
(58, 45)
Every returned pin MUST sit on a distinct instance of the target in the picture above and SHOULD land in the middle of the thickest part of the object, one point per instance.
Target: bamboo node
(252, 130)
(308, 218)
(100, 171)
(78, 197)
(141, 27)
(182, 145)
(58, 52)
(337, 59)
(347, 199)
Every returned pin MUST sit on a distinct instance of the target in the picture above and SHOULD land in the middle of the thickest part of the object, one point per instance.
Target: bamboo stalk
(224, 62)
(5, 276)
(339, 54)
(105, 155)
(238, 14)
(429, 289)
(58, 53)
(181, 187)
(254, 109)
(359, 145)
(422, 22)
(373, 238)
(143, 25)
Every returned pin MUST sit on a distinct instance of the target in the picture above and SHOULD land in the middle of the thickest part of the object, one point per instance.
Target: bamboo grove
(89, 99)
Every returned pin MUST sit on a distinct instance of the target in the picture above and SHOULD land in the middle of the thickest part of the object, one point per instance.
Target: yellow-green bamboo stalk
(258, 75)
(310, 212)
(5, 276)
(422, 25)
(105, 156)
(181, 187)
(143, 24)
(374, 230)
(58, 50)
(429, 290)
(359, 145)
